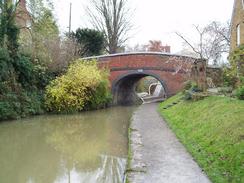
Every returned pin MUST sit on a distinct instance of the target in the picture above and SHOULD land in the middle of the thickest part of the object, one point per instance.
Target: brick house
(237, 25)
(23, 18)
(24, 22)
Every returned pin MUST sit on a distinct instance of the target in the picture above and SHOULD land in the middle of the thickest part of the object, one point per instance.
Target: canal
(89, 147)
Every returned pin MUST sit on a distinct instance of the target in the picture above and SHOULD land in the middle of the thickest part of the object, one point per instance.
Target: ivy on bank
(234, 75)
(21, 81)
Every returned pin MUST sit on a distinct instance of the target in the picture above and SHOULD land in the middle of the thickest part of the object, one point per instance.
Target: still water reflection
(89, 147)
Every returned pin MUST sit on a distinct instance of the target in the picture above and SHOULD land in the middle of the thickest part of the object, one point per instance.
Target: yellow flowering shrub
(77, 89)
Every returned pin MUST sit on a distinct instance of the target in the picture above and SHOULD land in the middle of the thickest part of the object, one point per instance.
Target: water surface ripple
(89, 147)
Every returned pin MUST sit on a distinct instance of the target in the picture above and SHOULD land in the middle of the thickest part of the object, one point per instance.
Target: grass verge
(212, 130)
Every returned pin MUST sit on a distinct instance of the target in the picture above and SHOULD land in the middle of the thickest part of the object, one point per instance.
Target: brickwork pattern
(162, 66)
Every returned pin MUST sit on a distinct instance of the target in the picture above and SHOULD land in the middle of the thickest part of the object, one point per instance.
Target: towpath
(157, 155)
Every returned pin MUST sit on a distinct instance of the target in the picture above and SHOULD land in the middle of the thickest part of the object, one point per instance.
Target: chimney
(22, 4)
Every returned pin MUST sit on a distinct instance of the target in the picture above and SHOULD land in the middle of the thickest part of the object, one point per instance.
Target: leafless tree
(181, 64)
(214, 40)
(136, 48)
(63, 52)
(151, 46)
(112, 17)
(157, 46)
(192, 68)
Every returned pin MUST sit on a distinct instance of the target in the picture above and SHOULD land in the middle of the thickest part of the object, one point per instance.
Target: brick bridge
(127, 69)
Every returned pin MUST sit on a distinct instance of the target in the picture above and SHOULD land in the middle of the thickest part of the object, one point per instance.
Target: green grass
(212, 130)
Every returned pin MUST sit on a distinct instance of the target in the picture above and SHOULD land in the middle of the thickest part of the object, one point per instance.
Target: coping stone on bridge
(141, 53)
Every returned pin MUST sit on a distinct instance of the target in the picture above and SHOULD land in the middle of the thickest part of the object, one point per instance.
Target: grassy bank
(212, 130)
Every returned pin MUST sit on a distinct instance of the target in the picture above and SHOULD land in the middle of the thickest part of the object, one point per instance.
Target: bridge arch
(123, 87)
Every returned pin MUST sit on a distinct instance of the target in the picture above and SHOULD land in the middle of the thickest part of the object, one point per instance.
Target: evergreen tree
(90, 42)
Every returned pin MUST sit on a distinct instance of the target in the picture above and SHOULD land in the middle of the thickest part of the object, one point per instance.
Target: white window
(243, 4)
(238, 35)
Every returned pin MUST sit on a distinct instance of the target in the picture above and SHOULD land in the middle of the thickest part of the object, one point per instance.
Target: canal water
(89, 147)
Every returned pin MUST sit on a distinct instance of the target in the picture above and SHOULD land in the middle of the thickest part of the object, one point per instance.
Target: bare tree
(63, 52)
(112, 17)
(151, 46)
(214, 40)
(135, 48)
(181, 64)
(156, 46)
(193, 69)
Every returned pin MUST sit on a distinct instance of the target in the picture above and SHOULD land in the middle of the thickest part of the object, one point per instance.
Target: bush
(30, 75)
(5, 64)
(233, 74)
(194, 96)
(192, 91)
(195, 88)
(24, 70)
(10, 107)
(230, 79)
(236, 59)
(32, 103)
(21, 86)
(84, 86)
(15, 105)
(191, 86)
(21, 81)
(100, 98)
(240, 93)
(187, 85)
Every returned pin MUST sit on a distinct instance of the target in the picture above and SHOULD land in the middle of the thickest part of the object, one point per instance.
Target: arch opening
(126, 91)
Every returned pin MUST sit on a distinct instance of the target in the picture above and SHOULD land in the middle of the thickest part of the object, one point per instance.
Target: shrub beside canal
(83, 87)
(212, 130)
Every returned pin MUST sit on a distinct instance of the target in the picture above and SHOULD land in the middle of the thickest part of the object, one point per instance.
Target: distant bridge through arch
(126, 69)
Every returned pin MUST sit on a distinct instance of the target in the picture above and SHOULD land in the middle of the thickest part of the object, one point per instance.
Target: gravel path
(157, 155)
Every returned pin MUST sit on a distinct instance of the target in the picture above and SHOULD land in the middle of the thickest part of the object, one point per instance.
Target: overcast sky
(155, 19)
